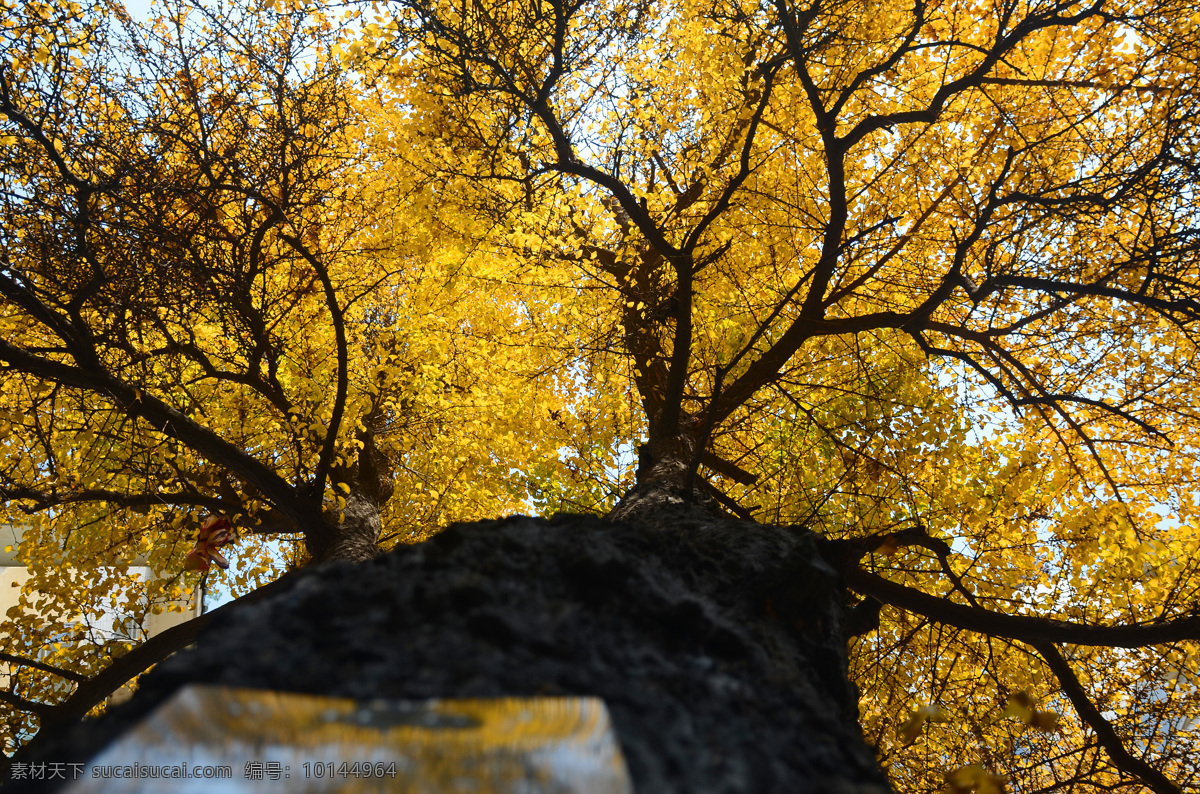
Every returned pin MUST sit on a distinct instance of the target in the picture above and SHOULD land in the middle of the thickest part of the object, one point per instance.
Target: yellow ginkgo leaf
(911, 728)
(1020, 705)
(1045, 721)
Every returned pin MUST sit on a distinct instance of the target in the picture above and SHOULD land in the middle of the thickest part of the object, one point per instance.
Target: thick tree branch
(1091, 716)
(46, 500)
(93, 691)
(164, 418)
(1188, 308)
(70, 675)
(727, 469)
(766, 367)
(16, 701)
(724, 500)
(1024, 628)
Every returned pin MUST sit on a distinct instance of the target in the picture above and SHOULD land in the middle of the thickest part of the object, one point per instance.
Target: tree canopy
(921, 276)
(214, 303)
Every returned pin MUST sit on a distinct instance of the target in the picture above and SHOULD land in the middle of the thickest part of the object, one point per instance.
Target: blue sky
(138, 9)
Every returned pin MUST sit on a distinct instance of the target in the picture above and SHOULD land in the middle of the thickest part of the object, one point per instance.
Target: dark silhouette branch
(46, 500)
(162, 417)
(727, 469)
(1029, 82)
(16, 701)
(70, 675)
(92, 692)
(1024, 628)
(1121, 757)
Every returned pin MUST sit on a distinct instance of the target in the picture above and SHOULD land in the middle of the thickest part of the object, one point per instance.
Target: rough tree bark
(355, 528)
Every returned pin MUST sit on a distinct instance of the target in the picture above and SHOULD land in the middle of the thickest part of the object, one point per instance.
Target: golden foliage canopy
(922, 276)
(216, 296)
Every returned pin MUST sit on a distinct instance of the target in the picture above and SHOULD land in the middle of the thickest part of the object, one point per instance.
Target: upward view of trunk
(719, 646)
(923, 278)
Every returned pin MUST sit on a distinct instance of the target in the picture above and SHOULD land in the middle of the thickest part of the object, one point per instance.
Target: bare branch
(94, 690)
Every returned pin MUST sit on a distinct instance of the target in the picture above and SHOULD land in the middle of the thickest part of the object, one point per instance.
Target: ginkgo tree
(921, 277)
(214, 305)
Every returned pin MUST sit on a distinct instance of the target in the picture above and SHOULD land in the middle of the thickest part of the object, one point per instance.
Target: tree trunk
(356, 530)
(719, 646)
(356, 525)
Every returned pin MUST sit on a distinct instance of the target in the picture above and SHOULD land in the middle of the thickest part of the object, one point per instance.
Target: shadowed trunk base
(717, 645)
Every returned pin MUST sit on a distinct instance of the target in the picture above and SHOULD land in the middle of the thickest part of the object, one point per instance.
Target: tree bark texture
(719, 646)
(355, 527)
